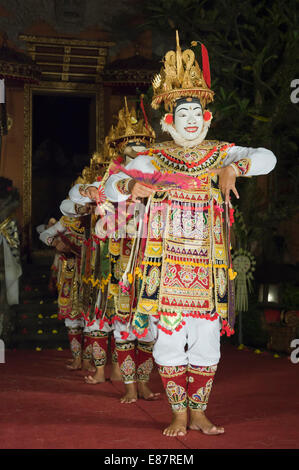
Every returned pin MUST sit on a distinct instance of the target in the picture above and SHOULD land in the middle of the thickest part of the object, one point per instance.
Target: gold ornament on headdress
(180, 77)
(97, 165)
(129, 129)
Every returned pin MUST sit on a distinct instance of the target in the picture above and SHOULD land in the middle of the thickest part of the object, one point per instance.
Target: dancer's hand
(84, 209)
(60, 246)
(93, 193)
(227, 181)
(140, 190)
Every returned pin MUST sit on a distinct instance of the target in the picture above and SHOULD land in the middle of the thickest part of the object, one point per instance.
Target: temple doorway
(63, 140)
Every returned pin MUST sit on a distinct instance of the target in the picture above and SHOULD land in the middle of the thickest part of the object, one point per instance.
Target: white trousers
(81, 323)
(149, 338)
(96, 327)
(76, 323)
(197, 343)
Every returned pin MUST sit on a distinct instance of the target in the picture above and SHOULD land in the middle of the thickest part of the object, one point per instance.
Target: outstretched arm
(243, 161)
(48, 235)
(248, 161)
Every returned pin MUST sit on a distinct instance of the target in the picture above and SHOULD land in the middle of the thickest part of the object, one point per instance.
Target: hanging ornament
(244, 265)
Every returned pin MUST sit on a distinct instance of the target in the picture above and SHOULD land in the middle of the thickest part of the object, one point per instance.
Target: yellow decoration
(97, 165)
(59, 349)
(138, 273)
(232, 274)
(240, 347)
(72, 223)
(41, 302)
(38, 349)
(257, 351)
(130, 278)
(152, 263)
(155, 165)
(40, 332)
(91, 279)
(54, 315)
(6, 229)
(191, 263)
(276, 356)
(54, 332)
(40, 315)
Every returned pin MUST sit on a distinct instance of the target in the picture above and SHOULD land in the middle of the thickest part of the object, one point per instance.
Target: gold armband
(123, 186)
(241, 167)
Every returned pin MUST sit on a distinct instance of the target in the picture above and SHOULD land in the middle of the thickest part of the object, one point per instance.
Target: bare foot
(98, 378)
(178, 426)
(89, 379)
(130, 395)
(145, 392)
(75, 364)
(199, 422)
(87, 365)
(115, 373)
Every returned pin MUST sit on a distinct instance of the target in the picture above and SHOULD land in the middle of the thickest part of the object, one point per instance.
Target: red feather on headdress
(143, 110)
(158, 179)
(206, 65)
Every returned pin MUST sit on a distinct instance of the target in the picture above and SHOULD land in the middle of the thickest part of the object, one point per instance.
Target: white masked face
(189, 120)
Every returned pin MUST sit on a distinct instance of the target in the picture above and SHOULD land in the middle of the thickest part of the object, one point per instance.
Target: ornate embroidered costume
(184, 256)
(68, 280)
(186, 262)
(67, 268)
(135, 361)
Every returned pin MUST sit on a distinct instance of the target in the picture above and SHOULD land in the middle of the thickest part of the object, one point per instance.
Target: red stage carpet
(45, 406)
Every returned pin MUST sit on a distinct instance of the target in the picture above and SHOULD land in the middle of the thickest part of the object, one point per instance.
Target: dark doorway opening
(63, 140)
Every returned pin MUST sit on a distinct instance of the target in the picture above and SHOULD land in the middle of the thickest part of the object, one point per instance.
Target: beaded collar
(170, 156)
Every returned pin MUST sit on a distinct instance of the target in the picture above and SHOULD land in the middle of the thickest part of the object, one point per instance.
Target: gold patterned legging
(135, 362)
(75, 336)
(187, 386)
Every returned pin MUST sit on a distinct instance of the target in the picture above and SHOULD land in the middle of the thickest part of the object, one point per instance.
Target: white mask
(190, 128)
(188, 120)
(139, 148)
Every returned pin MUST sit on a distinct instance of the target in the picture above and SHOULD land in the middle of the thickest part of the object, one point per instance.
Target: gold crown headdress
(182, 77)
(129, 129)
